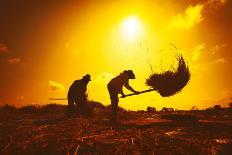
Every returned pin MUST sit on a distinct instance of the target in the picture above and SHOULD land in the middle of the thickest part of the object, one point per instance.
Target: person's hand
(123, 96)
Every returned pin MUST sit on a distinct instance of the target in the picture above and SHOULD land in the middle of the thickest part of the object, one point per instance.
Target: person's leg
(80, 102)
(70, 106)
(70, 102)
(114, 103)
(78, 107)
(82, 106)
(114, 109)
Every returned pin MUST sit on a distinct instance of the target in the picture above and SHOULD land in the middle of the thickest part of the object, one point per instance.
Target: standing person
(77, 95)
(115, 87)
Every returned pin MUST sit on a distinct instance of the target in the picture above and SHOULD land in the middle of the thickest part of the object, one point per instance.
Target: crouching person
(77, 97)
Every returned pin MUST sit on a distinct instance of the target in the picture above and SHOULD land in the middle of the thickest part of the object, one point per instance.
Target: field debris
(138, 132)
(223, 141)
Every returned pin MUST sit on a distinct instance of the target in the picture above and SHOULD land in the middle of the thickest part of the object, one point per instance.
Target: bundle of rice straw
(172, 81)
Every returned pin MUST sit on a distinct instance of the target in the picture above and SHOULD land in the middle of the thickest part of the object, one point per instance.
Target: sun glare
(131, 27)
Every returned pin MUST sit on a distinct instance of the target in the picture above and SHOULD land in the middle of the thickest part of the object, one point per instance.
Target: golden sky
(47, 44)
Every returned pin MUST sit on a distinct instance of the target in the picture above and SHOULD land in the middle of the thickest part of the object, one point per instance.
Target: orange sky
(46, 44)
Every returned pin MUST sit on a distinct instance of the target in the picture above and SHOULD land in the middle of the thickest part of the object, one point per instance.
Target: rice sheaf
(172, 81)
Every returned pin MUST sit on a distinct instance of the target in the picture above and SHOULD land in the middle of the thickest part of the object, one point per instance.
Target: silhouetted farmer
(77, 95)
(115, 87)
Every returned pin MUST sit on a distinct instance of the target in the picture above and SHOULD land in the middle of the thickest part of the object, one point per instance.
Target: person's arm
(129, 87)
(122, 93)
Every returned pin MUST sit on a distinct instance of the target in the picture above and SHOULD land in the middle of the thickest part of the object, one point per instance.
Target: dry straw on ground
(172, 81)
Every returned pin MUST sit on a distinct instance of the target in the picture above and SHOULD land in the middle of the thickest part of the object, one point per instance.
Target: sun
(131, 27)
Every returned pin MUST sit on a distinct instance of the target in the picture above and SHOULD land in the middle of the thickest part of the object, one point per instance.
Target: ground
(47, 130)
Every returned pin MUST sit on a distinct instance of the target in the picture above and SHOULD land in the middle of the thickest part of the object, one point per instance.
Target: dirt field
(47, 130)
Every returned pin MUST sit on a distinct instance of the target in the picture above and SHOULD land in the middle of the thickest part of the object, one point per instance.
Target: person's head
(130, 74)
(86, 78)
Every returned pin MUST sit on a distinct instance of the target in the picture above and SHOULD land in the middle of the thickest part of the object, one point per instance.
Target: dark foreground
(47, 130)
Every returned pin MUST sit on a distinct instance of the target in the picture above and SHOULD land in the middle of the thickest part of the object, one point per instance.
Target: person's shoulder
(77, 81)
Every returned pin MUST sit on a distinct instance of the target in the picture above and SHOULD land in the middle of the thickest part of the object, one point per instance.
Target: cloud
(197, 70)
(3, 48)
(55, 87)
(197, 52)
(191, 17)
(226, 93)
(219, 60)
(14, 60)
(216, 48)
(213, 5)
(105, 77)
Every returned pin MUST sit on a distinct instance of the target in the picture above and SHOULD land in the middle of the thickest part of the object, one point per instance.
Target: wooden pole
(141, 92)
(57, 98)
